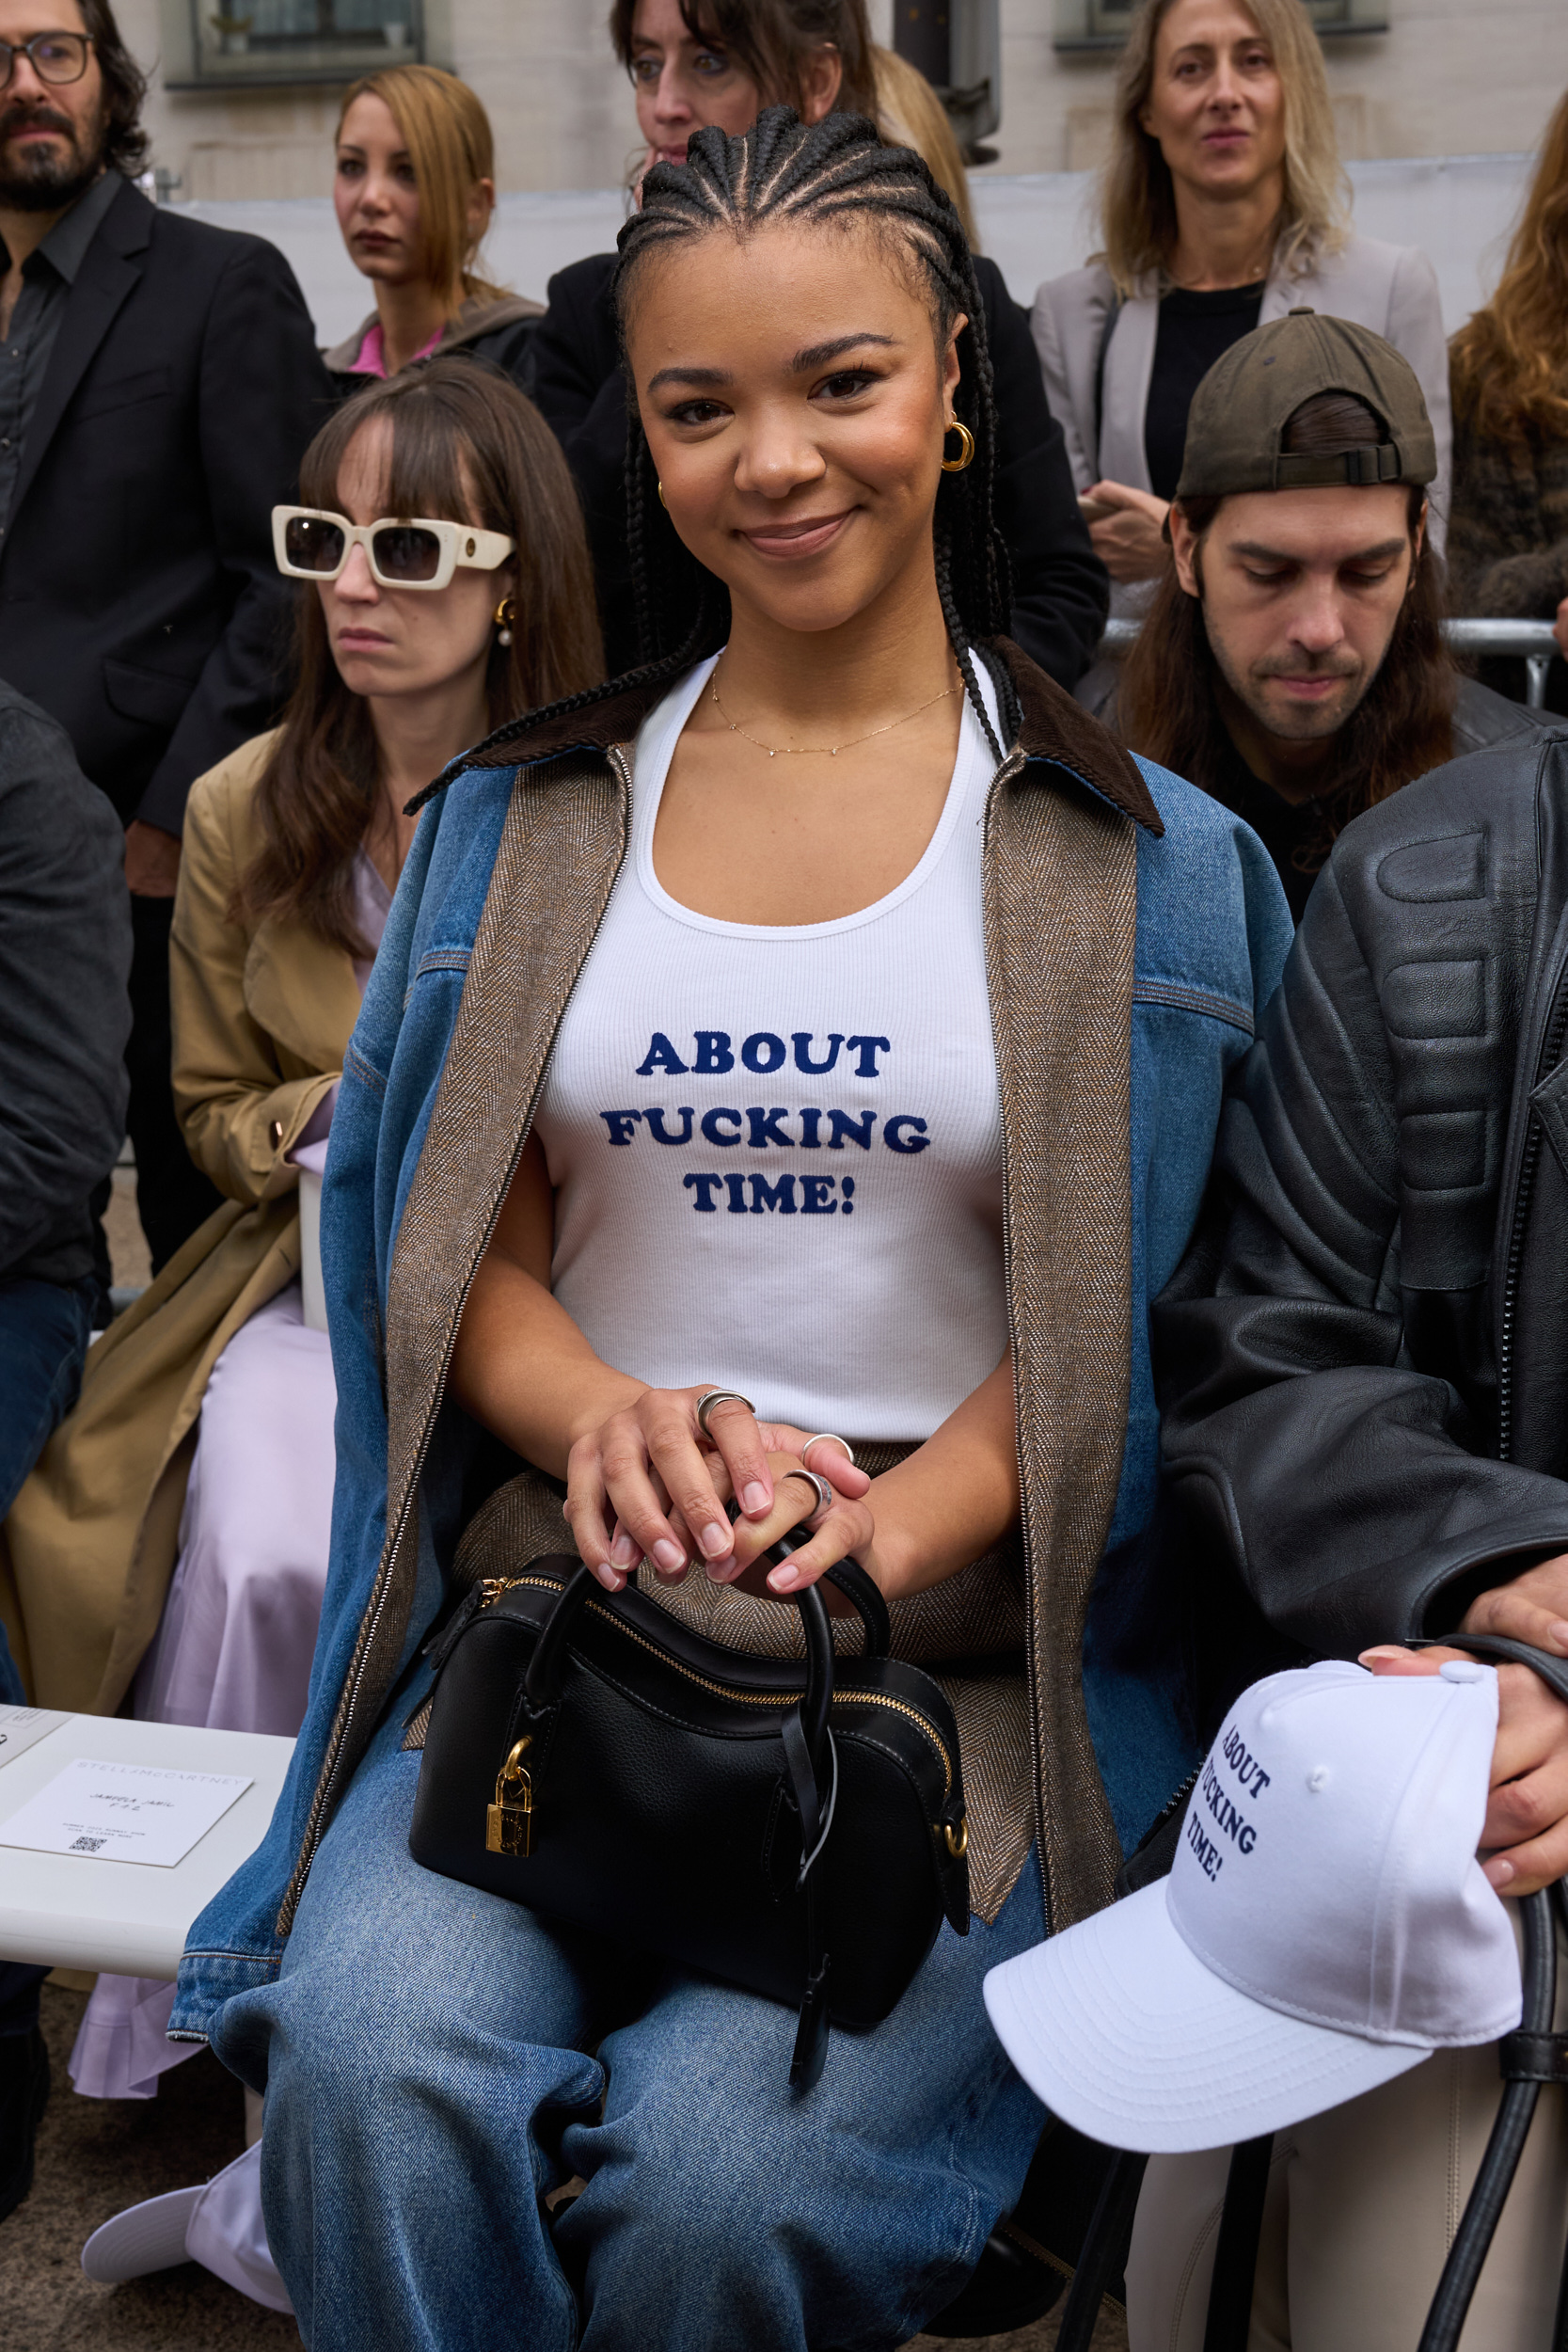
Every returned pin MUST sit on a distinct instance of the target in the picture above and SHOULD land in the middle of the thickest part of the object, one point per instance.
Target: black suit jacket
(139, 603)
(65, 952)
(1061, 593)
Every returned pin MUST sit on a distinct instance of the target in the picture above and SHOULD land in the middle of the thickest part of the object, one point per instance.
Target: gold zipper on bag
(494, 1586)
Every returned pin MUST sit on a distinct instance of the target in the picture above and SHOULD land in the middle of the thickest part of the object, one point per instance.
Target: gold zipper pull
(508, 1824)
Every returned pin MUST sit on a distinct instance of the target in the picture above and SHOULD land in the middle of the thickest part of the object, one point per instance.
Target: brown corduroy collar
(1052, 727)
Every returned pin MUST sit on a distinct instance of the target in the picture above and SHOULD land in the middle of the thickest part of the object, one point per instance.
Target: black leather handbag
(795, 1831)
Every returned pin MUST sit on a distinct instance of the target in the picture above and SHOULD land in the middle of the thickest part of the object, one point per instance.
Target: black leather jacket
(1362, 1360)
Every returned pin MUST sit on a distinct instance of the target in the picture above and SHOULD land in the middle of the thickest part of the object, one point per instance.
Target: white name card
(22, 1727)
(123, 1812)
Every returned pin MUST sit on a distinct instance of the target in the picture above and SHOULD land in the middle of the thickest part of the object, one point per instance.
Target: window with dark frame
(239, 43)
(1103, 24)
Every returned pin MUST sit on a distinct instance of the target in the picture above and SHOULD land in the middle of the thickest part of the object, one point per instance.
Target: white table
(71, 1911)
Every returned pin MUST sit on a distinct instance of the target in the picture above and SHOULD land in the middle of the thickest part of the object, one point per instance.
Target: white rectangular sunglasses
(403, 551)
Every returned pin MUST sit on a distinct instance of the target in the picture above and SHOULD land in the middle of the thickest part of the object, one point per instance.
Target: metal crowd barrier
(1531, 639)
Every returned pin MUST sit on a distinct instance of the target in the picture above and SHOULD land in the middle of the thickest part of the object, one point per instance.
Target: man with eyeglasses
(159, 381)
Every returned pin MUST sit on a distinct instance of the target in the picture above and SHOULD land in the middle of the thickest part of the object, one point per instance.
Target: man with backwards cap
(1291, 663)
(1363, 1373)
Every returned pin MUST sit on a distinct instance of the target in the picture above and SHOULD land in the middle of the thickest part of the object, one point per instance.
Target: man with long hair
(158, 382)
(1292, 661)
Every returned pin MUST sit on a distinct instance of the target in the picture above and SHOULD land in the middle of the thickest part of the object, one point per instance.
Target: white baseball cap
(1324, 1927)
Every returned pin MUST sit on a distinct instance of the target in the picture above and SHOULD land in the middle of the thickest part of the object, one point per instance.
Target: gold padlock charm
(509, 1827)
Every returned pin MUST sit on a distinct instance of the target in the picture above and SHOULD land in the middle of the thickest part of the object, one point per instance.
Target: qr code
(87, 1845)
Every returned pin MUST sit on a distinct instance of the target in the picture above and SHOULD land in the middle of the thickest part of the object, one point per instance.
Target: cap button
(1463, 1670)
(1304, 310)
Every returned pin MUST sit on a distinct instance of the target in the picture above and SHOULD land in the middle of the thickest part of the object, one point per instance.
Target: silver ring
(829, 1437)
(718, 1396)
(823, 1492)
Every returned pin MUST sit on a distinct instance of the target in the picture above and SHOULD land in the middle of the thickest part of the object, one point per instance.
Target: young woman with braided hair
(837, 848)
(720, 62)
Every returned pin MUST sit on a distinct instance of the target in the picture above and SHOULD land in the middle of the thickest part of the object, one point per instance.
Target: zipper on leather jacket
(321, 1810)
(493, 1587)
(1551, 1050)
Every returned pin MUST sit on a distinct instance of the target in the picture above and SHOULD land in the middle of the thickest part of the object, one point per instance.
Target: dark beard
(47, 185)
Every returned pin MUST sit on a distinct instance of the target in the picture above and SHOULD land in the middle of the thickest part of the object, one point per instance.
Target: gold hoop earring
(506, 613)
(662, 499)
(966, 453)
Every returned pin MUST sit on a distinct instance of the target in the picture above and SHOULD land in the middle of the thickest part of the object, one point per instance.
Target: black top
(65, 952)
(1290, 830)
(48, 275)
(1194, 330)
(1061, 593)
(139, 601)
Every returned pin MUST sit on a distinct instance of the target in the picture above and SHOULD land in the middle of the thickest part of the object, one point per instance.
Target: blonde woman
(1223, 208)
(414, 188)
(910, 113)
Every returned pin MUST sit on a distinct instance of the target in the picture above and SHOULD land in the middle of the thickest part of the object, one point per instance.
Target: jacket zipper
(1550, 1051)
(494, 1586)
(315, 1835)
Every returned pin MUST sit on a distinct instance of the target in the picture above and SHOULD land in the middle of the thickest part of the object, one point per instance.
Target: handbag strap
(542, 1683)
(1526, 2059)
(810, 1758)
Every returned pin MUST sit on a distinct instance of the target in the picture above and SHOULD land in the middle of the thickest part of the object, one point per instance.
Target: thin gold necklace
(831, 751)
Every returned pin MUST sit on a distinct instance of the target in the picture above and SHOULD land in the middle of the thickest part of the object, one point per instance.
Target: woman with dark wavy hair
(444, 589)
(838, 832)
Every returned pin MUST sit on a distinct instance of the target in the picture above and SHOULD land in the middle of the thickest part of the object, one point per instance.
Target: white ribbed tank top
(777, 1151)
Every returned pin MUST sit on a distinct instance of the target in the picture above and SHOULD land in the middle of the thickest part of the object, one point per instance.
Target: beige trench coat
(260, 1022)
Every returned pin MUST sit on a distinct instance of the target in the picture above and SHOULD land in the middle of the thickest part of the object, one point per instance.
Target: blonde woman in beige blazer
(1225, 190)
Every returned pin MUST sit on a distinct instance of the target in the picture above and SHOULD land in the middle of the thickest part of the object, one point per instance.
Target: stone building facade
(1447, 77)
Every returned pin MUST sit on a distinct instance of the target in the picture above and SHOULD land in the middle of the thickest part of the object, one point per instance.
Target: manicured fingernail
(668, 1556)
(622, 1551)
(1500, 1871)
(715, 1540)
(755, 1499)
(1557, 1633)
(609, 1579)
(1366, 1655)
(724, 1571)
(781, 1579)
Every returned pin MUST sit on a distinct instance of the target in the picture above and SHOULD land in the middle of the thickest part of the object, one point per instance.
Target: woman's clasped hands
(650, 1483)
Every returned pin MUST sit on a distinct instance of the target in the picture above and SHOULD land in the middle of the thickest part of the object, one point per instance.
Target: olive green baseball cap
(1240, 411)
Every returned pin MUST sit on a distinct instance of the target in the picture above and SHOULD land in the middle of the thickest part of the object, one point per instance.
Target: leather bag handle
(542, 1683)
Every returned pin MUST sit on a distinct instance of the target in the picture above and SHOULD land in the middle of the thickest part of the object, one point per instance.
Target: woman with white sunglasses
(445, 589)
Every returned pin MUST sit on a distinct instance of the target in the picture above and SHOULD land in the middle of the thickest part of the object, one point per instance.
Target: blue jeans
(425, 2053)
(44, 1329)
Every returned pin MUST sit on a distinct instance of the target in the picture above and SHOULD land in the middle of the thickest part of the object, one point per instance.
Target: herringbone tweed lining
(1061, 907)
(978, 1614)
(1061, 993)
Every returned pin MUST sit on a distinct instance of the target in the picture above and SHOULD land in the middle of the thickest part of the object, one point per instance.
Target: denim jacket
(1135, 932)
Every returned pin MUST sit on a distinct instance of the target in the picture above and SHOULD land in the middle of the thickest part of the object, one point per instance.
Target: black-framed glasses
(55, 58)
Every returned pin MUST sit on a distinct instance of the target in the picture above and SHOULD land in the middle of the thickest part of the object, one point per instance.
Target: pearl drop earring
(506, 613)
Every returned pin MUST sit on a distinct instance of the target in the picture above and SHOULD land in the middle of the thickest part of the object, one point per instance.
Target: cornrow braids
(784, 169)
(837, 169)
